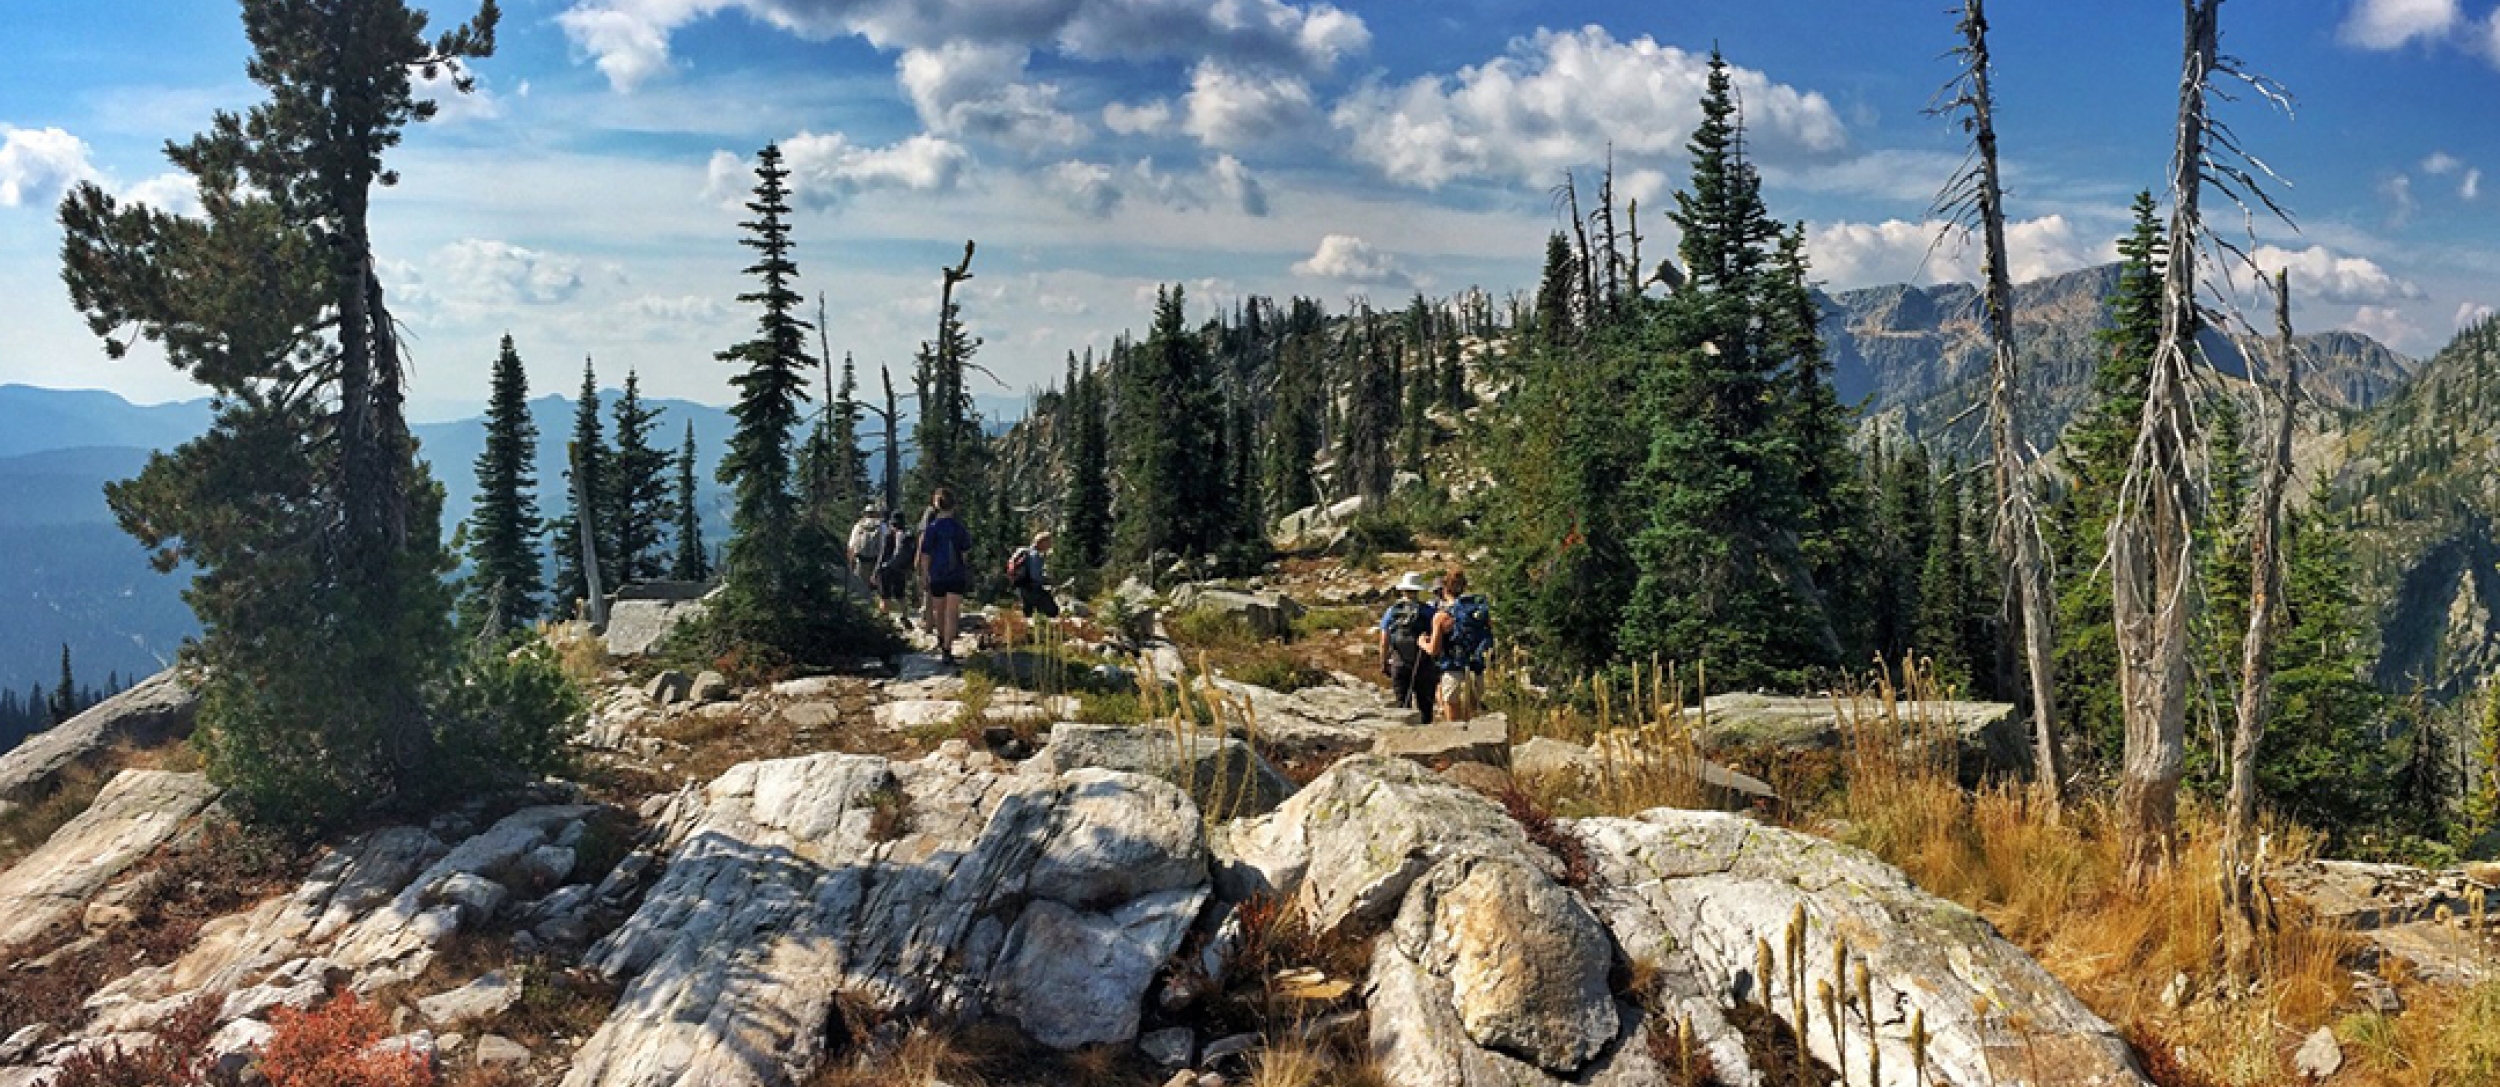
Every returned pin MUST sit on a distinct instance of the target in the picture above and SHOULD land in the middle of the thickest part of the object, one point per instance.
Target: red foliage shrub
(177, 1058)
(332, 1046)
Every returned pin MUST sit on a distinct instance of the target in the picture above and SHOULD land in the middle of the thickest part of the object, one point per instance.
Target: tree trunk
(2243, 915)
(2152, 563)
(2017, 520)
(590, 552)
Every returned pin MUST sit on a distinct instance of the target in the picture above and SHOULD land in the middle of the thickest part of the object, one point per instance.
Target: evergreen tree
(1945, 600)
(691, 563)
(1717, 582)
(64, 703)
(2322, 762)
(640, 505)
(1087, 535)
(777, 584)
(948, 431)
(1832, 541)
(1905, 512)
(1364, 466)
(585, 475)
(1293, 438)
(1171, 415)
(1556, 288)
(2095, 449)
(325, 623)
(506, 578)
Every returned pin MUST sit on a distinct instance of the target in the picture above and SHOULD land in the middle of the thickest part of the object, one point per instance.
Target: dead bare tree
(1975, 197)
(2245, 916)
(2151, 538)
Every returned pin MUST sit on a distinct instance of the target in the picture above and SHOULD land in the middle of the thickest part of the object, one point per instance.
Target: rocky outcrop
(638, 627)
(845, 890)
(1691, 894)
(2425, 918)
(138, 811)
(1992, 734)
(161, 708)
(1217, 768)
(1348, 846)
(1484, 740)
(1263, 614)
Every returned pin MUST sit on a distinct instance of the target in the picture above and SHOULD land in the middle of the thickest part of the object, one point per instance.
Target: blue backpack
(946, 560)
(1471, 636)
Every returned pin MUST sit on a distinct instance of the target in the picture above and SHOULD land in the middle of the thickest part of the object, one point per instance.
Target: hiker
(945, 569)
(1462, 641)
(896, 547)
(1405, 647)
(1026, 574)
(866, 535)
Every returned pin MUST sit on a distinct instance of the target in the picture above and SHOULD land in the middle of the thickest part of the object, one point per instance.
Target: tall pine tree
(316, 534)
(1086, 522)
(585, 474)
(506, 576)
(691, 562)
(640, 507)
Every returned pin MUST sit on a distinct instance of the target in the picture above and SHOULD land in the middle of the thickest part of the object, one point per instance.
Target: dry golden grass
(1645, 736)
(579, 653)
(2054, 882)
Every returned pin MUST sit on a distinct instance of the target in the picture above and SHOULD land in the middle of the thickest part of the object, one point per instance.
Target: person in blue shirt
(1406, 647)
(1030, 578)
(946, 568)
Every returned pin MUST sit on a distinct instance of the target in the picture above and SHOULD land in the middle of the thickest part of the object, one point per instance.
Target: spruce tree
(585, 473)
(692, 562)
(776, 581)
(1719, 489)
(1087, 519)
(2323, 762)
(63, 703)
(1364, 464)
(1173, 476)
(316, 534)
(1945, 600)
(1293, 428)
(506, 578)
(640, 505)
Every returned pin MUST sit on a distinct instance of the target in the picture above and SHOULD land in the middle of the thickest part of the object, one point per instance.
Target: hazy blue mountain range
(69, 574)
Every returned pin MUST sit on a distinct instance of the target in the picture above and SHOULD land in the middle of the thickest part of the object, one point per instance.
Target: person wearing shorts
(946, 568)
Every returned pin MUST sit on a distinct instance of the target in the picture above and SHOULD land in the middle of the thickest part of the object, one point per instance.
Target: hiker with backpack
(866, 535)
(1406, 647)
(945, 569)
(1027, 576)
(1462, 643)
(896, 547)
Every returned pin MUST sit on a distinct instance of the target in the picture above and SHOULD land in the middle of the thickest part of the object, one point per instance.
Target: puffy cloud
(176, 193)
(1087, 187)
(963, 88)
(1231, 107)
(2471, 185)
(1351, 259)
(1147, 119)
(38, 164)
(2441, 163)
(684, 309)
(2469, 178)
(1847, 254)
(629, 39)
(2469, 313)
(1240, 188)
(827, 170)
(2319, 273)
(1561, 99)
(2389, 24)
(2387, 325)
(480, 272)
(451, 105)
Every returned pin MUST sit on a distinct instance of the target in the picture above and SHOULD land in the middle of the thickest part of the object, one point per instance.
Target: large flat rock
(1692, 892)
(1992, 735)
(138, 811)
(161, 708)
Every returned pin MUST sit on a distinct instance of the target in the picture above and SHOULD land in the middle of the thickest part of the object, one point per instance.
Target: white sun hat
(1412, 583)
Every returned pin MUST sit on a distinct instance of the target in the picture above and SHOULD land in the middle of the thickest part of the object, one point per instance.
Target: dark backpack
(898, 551)
(1408, 622)
(1471, 632)
(946, 559)
(1019, 572)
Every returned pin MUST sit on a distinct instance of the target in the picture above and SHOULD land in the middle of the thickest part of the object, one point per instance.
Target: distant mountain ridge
(1917, 357)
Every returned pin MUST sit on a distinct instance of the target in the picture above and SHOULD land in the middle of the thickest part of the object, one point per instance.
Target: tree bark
(2243, 915)
(2152, 561)
(2017, 518)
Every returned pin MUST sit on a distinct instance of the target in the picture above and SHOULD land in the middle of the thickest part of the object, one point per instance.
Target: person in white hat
(1406, 647)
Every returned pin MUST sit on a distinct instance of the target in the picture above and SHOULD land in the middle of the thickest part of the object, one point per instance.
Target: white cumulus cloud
(629, 39)
(1850, 254)
(963, 88)
(1230, 107)
(2323, 274)
(38, 164)
(1086, 187)
(828, 170)
(2387, 325)
(1352, 260)
(1145, 119)
(1562, 99)
(2471, 313)
(485, 273)
(176, 193)
(1239, 186)
(2389, 24)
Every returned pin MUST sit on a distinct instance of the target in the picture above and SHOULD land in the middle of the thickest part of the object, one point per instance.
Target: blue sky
(584, 201)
